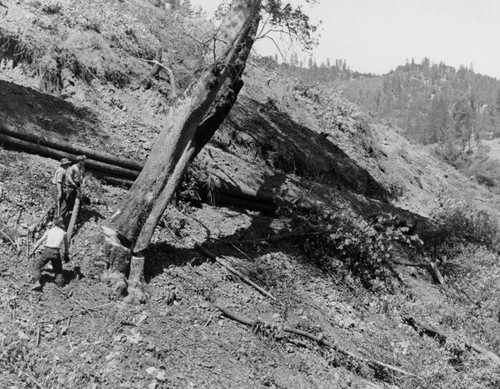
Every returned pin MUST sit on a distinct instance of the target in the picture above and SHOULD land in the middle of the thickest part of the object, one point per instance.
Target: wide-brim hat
(65, 161)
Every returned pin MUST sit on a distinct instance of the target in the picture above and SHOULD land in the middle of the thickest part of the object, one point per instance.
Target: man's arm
(39, 242)
(59, 190)
(65, 248)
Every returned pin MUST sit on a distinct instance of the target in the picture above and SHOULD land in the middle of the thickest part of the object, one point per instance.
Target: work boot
(59, 280)
(37, 287)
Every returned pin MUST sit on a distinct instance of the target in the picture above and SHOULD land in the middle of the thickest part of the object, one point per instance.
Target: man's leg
(68, 203)
(53, 194)
(37, 269)
(58, 269)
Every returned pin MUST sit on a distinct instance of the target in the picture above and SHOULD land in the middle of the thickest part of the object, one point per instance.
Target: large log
(46, 151)
(73, 149)
(115, 174)
(223, 194)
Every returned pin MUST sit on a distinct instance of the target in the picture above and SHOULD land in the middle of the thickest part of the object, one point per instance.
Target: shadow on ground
(34, 111)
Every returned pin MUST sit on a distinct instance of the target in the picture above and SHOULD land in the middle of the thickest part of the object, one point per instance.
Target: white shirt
(59, 176)
(55, 237)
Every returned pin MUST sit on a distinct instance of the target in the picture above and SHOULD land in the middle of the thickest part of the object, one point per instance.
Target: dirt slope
(303, 144)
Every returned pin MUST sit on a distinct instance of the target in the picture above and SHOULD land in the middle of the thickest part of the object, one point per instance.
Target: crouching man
(56, 245)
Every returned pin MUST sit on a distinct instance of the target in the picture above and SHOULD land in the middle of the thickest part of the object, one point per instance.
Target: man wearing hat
(58, 184)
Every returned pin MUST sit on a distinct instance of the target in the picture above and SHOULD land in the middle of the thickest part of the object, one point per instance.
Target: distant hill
(432, 103)
(455, 110)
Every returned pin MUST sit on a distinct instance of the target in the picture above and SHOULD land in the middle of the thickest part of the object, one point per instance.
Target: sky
(376, 36)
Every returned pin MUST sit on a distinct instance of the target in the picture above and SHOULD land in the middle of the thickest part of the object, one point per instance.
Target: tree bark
(203, 134)
(176, 146)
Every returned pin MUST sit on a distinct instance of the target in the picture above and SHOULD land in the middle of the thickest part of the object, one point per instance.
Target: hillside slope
(351, 194)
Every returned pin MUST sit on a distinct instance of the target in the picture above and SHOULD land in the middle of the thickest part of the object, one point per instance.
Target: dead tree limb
(8, 237)
(317, 339)
(438, 277)
(437, 332)
(157, 61)
(157, 68)
(212, 256)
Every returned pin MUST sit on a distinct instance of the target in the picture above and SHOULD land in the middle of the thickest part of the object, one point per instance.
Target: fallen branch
(318, 339)
(212, 256)
(458, 288)
(233, 246)
(70, 298)
(8, 237)
(436, 332)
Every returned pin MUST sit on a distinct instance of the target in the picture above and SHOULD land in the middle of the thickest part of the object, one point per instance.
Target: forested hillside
(432, 103)
(456, 111)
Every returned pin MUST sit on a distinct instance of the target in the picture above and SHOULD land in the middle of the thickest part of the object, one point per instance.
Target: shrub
(462, 225)
(364, 247)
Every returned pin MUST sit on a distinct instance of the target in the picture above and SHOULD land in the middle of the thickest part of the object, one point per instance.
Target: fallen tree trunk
(46, 151)
(73, 149)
